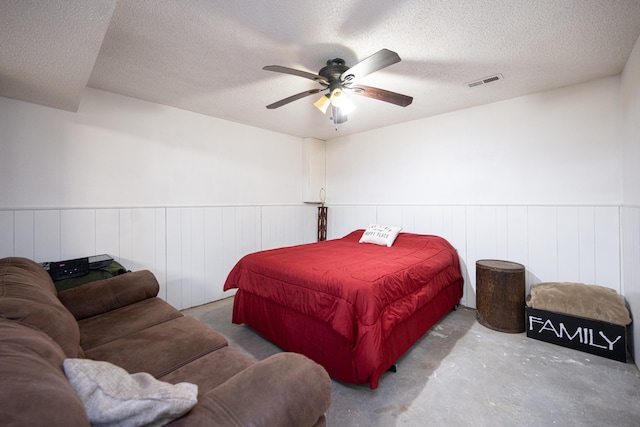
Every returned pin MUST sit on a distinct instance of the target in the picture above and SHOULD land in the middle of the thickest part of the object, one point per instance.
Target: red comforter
(361, 290)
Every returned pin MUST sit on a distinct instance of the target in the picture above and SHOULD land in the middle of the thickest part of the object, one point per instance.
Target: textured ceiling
(207, 56)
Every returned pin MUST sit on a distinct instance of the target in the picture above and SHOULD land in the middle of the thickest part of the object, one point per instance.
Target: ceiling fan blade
(287, 70)
(383, 95)
(293, 98)
(379, 60)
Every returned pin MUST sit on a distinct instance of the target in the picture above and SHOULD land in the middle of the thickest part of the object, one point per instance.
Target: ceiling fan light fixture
(323, 103)
(340, 100)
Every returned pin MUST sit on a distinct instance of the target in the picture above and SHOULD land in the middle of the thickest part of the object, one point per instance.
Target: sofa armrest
(105, 295)
(286, 389)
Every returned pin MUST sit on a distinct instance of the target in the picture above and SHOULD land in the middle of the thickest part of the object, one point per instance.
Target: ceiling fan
(336, 78)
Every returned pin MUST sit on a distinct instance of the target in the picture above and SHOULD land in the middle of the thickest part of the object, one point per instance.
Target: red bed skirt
(293, 331)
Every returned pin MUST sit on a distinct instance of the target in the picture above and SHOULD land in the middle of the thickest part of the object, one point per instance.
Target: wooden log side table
(500, 295)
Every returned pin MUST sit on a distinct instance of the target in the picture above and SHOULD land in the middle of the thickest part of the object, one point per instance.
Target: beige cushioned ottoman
(589, 318)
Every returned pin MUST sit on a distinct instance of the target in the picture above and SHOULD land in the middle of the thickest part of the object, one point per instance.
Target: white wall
(631, 129)
(630, 229)
(181, 194)
(553, 148)
(535, 180)
(119, 151)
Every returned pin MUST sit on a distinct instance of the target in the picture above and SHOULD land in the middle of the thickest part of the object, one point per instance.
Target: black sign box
(588, 335)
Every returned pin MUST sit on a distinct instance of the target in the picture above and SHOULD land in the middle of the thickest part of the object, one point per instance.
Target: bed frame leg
(393, 368)
(455, 308)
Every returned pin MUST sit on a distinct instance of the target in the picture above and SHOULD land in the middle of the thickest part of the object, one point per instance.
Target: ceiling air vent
(485, 80)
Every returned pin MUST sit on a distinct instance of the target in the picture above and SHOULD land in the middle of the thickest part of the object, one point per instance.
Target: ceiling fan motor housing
(332, 72)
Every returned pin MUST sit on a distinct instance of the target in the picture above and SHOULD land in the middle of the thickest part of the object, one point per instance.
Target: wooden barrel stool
(500, 293)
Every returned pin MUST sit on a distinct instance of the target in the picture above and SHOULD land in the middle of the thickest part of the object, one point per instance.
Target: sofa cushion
(113, 397)
(27, 295)
(298, 390)
(101, 296)
(115, 324)
(210, 370)
(33, 387)
(160, 349)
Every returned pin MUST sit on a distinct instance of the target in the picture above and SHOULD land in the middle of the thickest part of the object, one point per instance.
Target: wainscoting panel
(185, 257)
(7, 232)
(215, 264)
(542, 240)
(344, 219)
(77, 233)
(108, 233)
(576, 244)
(569, 243)
(203, 244)
(192, 249)
(630, 232)
(516, 229)
(175, 270)
(48, 238)
(586, 245)
(280, 226)
(554, 243)
(24, 231)
(141, 240)
(607, 247)
(486, 239)
(288, 225)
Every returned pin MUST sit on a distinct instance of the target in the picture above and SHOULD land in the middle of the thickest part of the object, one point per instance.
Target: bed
(354, 308)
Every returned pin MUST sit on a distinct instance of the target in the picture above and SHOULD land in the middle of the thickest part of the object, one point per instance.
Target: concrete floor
(464, 374)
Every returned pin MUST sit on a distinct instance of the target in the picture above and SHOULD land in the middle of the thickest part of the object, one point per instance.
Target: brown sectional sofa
(120, 320)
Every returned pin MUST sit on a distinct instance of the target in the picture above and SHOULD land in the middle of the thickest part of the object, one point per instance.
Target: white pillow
(380, 235)
(113, 397)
